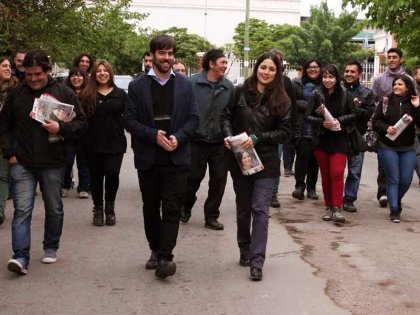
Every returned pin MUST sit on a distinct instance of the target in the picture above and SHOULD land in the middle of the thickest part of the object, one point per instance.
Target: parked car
(122, 81)
(61, 76)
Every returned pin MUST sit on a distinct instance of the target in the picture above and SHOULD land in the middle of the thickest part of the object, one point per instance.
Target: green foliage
(187, 45)
(65, 28)
(400, 17)
(323, 36)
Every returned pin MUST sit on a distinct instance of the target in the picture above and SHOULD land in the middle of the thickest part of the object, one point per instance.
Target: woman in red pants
(330, 141)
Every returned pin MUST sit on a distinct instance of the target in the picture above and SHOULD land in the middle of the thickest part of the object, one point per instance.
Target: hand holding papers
(47, 108)
(248, 159)
(400, 126)
(323, 111)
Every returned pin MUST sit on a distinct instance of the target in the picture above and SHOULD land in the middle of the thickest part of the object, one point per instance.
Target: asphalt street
(367, 265)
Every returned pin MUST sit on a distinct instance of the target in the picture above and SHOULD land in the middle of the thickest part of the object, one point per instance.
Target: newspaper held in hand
(48, 107)
(400, 126)
(248, 160)
(323, 111)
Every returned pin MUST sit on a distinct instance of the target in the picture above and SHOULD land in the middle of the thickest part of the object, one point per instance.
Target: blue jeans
(277, 179)
(418, 155)
(4, 184)
(82, 169)
(288, 156)
(253, 198)
(399, 169)
(24, 182)
(354, 174)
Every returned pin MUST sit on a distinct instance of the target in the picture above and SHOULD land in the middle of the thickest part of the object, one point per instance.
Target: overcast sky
(335, 5)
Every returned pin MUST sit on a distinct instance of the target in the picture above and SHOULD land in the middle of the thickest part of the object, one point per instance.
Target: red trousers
(332, 166)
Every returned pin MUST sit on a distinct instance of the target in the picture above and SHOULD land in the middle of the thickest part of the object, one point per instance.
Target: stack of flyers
(48, 107)
(248, 160)
(323, 111)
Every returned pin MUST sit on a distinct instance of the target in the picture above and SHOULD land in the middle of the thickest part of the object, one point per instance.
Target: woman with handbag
(330, 140)
(397, 156)
(261, 108)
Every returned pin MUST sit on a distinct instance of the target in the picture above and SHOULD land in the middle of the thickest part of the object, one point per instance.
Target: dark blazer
(138, 119)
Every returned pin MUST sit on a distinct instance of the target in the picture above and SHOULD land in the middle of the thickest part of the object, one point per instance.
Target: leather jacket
(249, 113)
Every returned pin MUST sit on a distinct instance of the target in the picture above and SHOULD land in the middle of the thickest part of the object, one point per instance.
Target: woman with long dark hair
(104, 104)
(397, 156)
(306, 166)
(77, 81)
(330, 139)
(261, 108)
(7, 82)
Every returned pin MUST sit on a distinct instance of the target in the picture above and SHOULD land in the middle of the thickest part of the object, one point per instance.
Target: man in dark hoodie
(34, 159)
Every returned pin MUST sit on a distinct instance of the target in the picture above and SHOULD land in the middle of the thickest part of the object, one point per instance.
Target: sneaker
(185, 214)
(18, 266)
(337, 216)
(311, 194)
(349, 206)
(383, 201)
(83, 195)
(394, 217)
(244, 260)
(165, 268)
(213, 224)
(64, 193)
(275, 203)
(152, 262)
(50, 256)
(328, 214)
(288, 173)
(298, 193)
(256, 274)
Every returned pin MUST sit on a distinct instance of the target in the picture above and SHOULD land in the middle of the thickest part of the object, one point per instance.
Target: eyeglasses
(313, 68)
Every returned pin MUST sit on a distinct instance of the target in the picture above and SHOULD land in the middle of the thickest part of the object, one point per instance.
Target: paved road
(367, 265)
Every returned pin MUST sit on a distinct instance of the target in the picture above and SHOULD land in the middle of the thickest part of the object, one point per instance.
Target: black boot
(298, 193)
(98, 215)
(109, 213)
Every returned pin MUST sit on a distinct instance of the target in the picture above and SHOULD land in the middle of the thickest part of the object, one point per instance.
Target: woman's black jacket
(247, 114)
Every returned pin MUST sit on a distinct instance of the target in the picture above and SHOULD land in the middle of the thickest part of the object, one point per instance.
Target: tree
(323, 36)
(187, 45)
(400, 17)
(326, 37)
(65, 28)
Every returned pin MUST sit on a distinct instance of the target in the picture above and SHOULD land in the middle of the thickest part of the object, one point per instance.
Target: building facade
(214, 20)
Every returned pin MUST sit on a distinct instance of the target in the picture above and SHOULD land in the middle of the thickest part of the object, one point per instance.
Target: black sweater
(397, 107)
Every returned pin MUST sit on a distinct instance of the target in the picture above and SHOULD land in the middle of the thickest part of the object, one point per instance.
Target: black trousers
(162, 187)
(306, 165)
(104, 167)
(213, 154)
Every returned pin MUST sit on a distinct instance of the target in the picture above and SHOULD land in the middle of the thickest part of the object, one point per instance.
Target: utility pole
(246, 42)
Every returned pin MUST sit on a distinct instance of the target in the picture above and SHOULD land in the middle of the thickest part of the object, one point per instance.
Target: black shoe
(275, 203)
(110, 213)
(165, 268)
(244, 260)
(2, 218)
(383, 201)
(298, 193)
(311, 194)
(152, 262)
(98, 216)
(288, 173)
(349, 206)
(185, 215)
(256, 274)
(213, 224)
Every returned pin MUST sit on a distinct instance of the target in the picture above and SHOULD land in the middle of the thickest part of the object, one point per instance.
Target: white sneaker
(383, 201)
(83, 195)
(50, 256)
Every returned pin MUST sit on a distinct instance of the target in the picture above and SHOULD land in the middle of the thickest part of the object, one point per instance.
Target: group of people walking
(179, 125)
